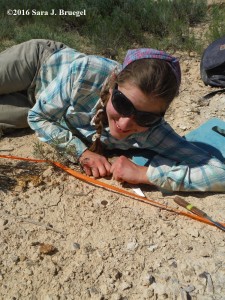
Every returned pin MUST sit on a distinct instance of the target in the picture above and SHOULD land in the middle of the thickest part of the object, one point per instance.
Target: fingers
(117, 169)
(104, 169)
(96, 172)
(87, 170)
(101, 170)
(98, 167)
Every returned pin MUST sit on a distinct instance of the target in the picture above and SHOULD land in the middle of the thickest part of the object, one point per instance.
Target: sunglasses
(125, 108)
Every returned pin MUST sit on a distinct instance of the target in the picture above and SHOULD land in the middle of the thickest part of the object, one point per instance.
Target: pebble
(16, 199)
(125, 285)
(93, 291)
(23, 257)
(75, 246)
(15, 258)
(47, 249)
(48, 172)
(183, 294)
(209, 283)
(116, 274)
(3, 222)
(131, 246)
(116, 296)
(28, 272)
(192, 54)
(149, 279)
(189, 288)
(148, 293)
(152, 247)
(183, 127)
(173, 264)
(104, 202)
(192, 231)
(160, 289)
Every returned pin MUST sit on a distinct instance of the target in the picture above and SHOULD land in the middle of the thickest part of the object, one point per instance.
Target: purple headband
(135, 54)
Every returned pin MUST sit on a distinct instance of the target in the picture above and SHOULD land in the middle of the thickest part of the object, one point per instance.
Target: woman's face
(121, 126)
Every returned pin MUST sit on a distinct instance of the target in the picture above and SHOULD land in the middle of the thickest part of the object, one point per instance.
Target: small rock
(209, 283)
(184, 295)
(149, 279)
(131, 246)
(148, 293)
(75, 246)
(205, 253)
(183, 127)
(173, 264)
(19, 188)
(47, 249)
(104, 288)
(93, 291)
(116, 274)
(116, 296)
(3, 222)
(192, 231)
(48, 172)
(189, 288)
(192, 54)
(15, 259)
(104, 202)
(23, 257)
(125, 285)
(160, 289)
(152, 247)
(28, 272)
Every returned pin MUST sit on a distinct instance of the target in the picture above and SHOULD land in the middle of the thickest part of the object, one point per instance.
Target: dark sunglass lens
(122, 105)
(147, 120)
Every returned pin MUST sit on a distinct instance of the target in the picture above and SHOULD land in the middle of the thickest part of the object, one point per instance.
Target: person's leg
(19, 67)
(13, 111)
(20, 63)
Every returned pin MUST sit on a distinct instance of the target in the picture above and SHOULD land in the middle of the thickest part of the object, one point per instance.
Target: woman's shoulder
(93, 69)
(81, 62)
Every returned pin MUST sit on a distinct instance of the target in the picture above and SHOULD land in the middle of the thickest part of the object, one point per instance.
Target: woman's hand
(94, 164)
(124, 170)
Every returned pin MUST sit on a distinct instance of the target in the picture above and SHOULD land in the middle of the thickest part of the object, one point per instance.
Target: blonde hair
(151, 76)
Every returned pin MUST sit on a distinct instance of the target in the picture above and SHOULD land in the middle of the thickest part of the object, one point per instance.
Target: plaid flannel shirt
(67, 90)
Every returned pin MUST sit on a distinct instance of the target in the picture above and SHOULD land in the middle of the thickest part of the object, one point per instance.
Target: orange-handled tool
(180, 201)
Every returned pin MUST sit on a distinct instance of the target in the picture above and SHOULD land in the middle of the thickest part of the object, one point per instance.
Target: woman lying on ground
(88, 105)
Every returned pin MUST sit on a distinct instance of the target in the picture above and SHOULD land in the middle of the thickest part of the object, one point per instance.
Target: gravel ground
(62, 238)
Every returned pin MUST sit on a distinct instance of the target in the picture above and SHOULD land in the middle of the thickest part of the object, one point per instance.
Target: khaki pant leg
(19, 67)
(20, 63)
(13, 111)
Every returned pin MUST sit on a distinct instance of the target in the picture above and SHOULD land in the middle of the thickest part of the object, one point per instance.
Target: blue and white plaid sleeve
(44, 118)
(181, 166)
(73, 87)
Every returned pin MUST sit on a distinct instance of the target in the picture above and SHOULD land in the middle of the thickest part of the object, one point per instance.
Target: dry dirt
(62, 238)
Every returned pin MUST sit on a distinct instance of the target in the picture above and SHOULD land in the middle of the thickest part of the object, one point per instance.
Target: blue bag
(210, 136)
(212, 66)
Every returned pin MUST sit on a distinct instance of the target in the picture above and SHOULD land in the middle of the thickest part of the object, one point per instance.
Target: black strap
(219, 130)
(211, 94)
